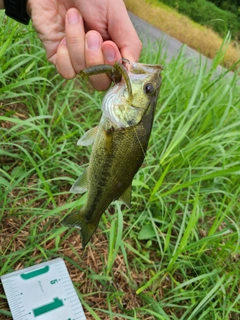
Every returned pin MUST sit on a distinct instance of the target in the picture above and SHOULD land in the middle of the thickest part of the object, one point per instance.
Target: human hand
(77, 34)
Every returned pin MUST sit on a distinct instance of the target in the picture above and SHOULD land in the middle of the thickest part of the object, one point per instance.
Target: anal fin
(126, 196)
(81, 184)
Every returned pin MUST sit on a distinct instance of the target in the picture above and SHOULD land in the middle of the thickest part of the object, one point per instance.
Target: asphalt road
(148, 33)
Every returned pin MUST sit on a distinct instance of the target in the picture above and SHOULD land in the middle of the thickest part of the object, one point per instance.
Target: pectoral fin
(81, 184)
(88, 138)
(126, 196)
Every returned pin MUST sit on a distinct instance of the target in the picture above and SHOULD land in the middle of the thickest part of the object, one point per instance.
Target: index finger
(122, 31)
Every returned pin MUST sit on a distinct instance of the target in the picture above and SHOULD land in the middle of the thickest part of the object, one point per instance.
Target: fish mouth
(118, 104)
(142, 68)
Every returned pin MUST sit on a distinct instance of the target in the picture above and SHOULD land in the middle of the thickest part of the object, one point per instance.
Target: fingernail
(109, 53)
(73, 16)
(93, 41)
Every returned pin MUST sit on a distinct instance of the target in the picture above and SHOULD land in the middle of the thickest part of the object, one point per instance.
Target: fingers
(63, 61)
(78, 51)
(75, 37)
(94, 56)
(70, 53)
(111, 52)
(99, 52)
(125, 37)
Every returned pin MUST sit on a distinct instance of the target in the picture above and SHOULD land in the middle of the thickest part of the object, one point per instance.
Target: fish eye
(148, 88)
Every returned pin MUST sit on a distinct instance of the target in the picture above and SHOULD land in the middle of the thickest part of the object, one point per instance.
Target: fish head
(126, 108)
(146, 81)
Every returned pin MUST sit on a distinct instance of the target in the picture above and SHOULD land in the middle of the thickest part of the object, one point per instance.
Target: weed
(175, 254)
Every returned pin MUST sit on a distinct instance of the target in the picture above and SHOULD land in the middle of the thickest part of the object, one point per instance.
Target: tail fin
(87, 228)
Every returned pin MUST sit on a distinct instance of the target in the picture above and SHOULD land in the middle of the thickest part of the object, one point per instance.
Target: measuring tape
(42, 292)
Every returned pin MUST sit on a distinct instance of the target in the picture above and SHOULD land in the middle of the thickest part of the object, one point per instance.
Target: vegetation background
(175, 254)
(178, 20)
(219, 15)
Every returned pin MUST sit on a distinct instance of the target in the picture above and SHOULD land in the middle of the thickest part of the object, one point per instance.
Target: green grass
(175, 254)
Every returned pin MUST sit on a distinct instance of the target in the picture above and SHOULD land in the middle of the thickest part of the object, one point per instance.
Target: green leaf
(147, 232)
(4, 182)
(17, 172)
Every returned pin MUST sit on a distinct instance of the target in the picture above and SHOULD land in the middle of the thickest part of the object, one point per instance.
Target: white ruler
(42, 292)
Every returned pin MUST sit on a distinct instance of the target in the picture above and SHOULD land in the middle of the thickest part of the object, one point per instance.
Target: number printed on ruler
(42, 292)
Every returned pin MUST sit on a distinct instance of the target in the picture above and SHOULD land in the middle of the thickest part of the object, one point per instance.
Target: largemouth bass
(119, 143)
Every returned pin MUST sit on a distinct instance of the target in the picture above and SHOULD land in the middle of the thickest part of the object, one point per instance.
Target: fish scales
(117, 154)
(129, 145)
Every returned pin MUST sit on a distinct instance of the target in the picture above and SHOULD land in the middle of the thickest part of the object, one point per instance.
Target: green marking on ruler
(32, 274)
(40, 304)
(57, 303)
